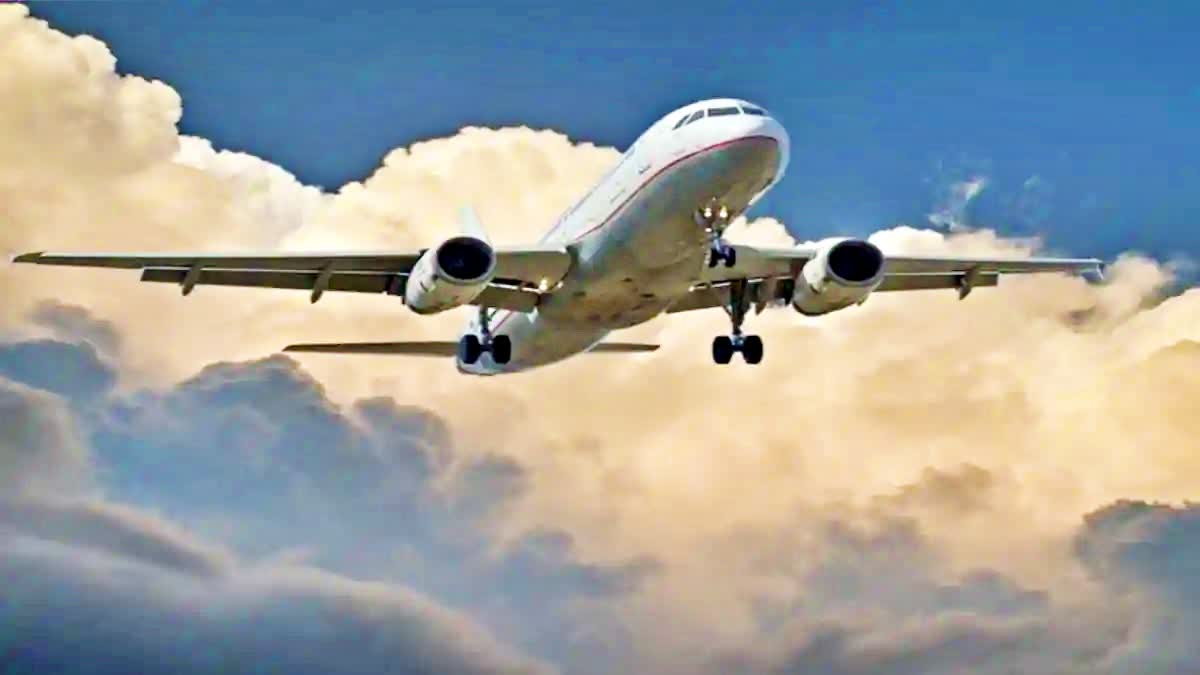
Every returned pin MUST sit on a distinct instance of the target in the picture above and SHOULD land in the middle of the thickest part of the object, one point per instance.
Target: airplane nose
(769, 127)
(772, 128)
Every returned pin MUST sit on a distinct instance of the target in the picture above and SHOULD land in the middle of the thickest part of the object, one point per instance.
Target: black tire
(469, 349)
(712, 259)
(730, 256)
(752, 349)
(722, 349)
(501, 349)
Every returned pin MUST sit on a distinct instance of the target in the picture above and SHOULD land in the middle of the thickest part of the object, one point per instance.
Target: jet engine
(450, 275)
(842, 273)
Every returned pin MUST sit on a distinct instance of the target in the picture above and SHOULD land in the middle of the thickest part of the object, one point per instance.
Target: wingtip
(27, 257)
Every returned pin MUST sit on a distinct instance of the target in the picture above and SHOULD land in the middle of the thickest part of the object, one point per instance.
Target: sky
(1078, 116)
(919, 484)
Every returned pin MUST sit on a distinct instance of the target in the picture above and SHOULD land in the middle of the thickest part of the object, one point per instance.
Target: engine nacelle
(449, 276)
(843, 273)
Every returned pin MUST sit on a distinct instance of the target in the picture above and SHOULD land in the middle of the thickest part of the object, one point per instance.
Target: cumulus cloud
(1147, 554)
(145, 608)
(73, 323)
(255, 455)
(93, 585)
(686, 504)
(41, 451)
(74, 371)
(954, 199)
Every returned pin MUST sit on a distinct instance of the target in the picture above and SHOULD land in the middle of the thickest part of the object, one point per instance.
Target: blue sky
(1081, 115)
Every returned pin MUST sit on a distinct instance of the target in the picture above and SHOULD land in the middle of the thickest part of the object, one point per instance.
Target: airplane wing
(771, 273)
(520, 272)
(753, 262)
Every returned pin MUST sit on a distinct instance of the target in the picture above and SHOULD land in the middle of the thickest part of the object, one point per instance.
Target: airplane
(647, 239)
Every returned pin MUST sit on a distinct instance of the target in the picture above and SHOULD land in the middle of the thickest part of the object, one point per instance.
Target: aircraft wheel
(501, 349)
(752, 349)
(722, 349)
(469, 349)
(730, 256)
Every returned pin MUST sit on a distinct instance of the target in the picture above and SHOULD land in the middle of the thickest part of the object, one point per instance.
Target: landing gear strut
(724, 346)
(715, 219)
(470, 347)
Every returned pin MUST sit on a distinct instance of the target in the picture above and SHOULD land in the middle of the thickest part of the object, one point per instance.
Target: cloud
(116, 530)
(148, 604)
(1148, 554)
(73, 371)
(41, 451)
(99, 586)
(257, 456)
(950, 212)
(72, 323)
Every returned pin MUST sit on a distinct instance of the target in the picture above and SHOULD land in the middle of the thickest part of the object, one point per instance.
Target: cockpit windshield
(741, 109)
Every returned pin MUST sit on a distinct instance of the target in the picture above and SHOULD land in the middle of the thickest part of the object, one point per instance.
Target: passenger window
(718, 112)
(695, 116)
(754, 111)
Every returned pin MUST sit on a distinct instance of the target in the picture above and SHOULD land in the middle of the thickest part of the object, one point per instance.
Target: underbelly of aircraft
(644, 258)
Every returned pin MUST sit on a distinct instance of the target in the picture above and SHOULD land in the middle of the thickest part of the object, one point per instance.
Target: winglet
(28, 257)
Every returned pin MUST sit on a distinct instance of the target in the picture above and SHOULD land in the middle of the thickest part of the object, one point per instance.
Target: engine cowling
(450, 275)
(843, 273)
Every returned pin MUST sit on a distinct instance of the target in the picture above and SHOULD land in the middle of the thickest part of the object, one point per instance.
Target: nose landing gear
(470, 347)
(715, 219)
(724, 346)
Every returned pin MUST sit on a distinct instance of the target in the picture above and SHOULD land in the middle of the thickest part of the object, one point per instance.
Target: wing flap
(941, 264)
(925, 282)
(341, 281)
(499, 297)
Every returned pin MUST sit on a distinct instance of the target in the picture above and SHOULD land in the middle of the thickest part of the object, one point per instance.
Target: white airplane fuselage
(635, 238)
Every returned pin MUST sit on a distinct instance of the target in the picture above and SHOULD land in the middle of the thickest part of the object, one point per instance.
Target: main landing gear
(715, 220)
(724, 346)
(470, 347)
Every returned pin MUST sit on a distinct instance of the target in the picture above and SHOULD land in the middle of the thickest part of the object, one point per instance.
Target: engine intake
(449, 276)
(465, 259)
(842, 273)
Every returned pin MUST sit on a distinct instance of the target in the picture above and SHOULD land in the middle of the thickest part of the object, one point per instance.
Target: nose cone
(769, 126)
(763, 126)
